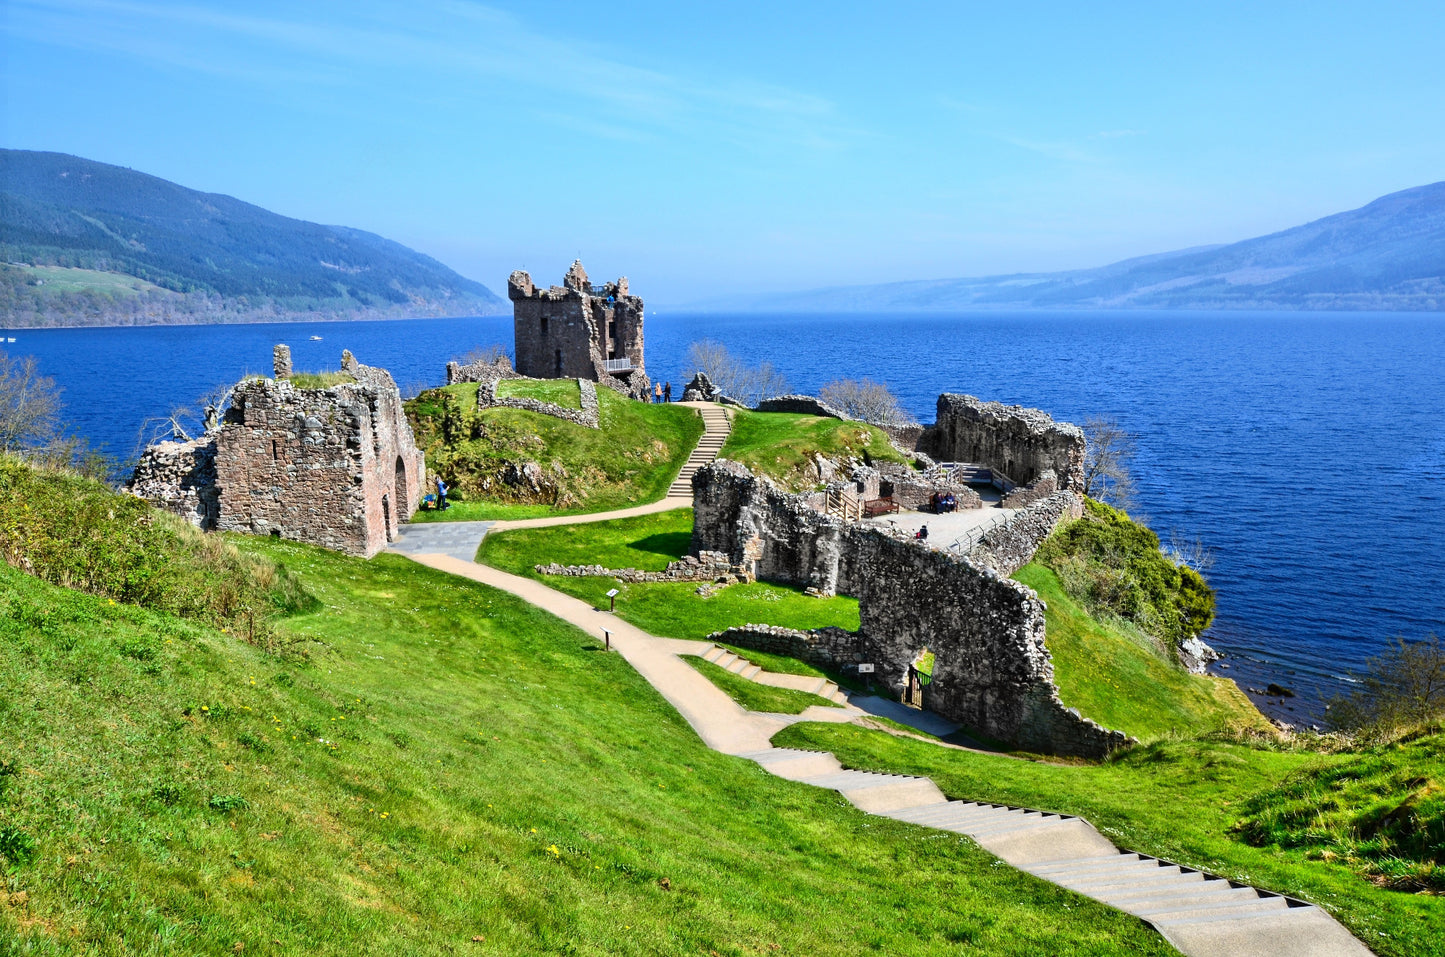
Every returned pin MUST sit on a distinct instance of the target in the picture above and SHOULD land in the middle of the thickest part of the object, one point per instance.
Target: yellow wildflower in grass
(553, 850)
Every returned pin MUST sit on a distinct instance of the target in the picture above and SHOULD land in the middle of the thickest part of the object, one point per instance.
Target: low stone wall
(1008, 547)
(831, 648)
(992, 670)
(801, 405)
(706, 567)
(1036, 491)
(588, 415)
(180, 477)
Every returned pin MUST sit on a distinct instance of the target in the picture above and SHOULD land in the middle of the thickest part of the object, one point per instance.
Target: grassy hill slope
(782, 445)
(445, 770)
(631, 459)
(211, 252)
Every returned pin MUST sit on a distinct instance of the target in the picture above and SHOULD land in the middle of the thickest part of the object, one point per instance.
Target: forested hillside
(87, 243)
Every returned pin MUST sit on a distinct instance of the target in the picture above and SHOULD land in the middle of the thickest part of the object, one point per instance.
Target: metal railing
(973, 536)
(617, 365)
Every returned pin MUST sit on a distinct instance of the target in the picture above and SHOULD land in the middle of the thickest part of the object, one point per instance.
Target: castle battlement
(579, 330)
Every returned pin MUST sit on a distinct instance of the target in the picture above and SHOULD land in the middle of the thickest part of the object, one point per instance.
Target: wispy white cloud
(467, 45)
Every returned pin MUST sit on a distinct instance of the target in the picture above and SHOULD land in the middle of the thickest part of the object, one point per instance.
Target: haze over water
(1306, 450)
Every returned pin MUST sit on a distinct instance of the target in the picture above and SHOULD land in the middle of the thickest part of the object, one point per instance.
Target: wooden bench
(879, 506)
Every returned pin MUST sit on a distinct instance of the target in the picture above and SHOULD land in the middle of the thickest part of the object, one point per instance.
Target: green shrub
(77, 533)
(1114, 565)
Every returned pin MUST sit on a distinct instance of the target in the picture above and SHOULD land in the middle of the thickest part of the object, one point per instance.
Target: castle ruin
(579, 331)
(335, 466)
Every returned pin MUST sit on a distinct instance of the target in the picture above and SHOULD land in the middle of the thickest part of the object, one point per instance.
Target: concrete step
(795, 764)
(714, 653)
(1214, 910)
(953, 812)
(750, 672)
(876, 793)
(1084, 865)
(1139, 880)
(1167, 898)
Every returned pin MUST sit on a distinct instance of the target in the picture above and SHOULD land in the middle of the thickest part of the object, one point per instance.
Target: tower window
(544, 325)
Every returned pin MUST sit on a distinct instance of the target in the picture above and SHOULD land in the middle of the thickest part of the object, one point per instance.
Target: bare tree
(1107, 453)
(199, 417)
(749, 385)
(29, 405)
(487, 354)
(865, 400)
(1183, 550)
(1404, 686)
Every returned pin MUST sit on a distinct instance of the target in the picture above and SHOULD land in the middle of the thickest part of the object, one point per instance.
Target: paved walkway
(1201, 915)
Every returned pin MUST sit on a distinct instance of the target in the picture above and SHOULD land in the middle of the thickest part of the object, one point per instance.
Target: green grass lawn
(563, 392)
(756, 697)
(671, 609)
(1178, 800)
(1125, 683)
(62, 279)
(447, 770)
(781, 445)
(630, 460)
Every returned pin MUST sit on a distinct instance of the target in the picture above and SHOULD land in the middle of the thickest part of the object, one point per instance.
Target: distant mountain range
(88, 243)
(1389, 255)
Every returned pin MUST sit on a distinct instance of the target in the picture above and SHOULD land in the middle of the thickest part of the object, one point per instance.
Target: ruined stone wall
(992, 669)
(180, 477)
(336, 467)
(481, 371)
(834, 649)
(1036, 491)
(588, 415)
(1008, 547)
(567, 331)
(706, 567)
(800, 404)
(1022, 443)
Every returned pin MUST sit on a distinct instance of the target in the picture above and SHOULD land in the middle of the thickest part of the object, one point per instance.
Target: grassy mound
(755, 697)
(1380, 812)
(561, 392)
(781, 445)
(1180, 800)
(631, 459)
(670, 609)
(452, 772)
(76, 532)
(1123, 680)
(1113, 565)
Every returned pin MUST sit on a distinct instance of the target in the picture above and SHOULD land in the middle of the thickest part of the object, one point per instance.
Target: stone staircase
(744, 668)
(716, 426)
(1200, 914)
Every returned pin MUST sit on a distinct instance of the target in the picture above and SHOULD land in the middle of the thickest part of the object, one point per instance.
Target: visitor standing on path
(667, 392)
(657, 390)
(442, 503)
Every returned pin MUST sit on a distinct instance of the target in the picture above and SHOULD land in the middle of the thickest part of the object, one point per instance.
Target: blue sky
(748, 146)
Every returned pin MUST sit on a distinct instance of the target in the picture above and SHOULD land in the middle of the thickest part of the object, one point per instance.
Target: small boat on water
(11, 339)
(315, 338)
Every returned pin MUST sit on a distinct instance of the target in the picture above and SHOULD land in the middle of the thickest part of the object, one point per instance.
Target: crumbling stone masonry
(336, 467)
(992, 670)
(579, 331)
(1021, 443)
(589, 414)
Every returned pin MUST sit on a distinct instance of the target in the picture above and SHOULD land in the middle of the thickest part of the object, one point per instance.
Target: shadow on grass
(672, 544)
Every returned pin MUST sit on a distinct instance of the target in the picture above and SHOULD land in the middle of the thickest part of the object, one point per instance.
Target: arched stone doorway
(403, 493)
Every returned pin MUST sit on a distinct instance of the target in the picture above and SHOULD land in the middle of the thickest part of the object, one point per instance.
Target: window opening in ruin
(559, 363)
(612, 330)
(544, 325)
(386, 516)
(275, 450)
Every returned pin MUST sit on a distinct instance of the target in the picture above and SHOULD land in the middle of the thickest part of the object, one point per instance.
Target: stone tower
(579, 331)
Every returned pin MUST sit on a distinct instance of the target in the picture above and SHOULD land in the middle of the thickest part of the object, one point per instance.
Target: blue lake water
(1306, 450)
